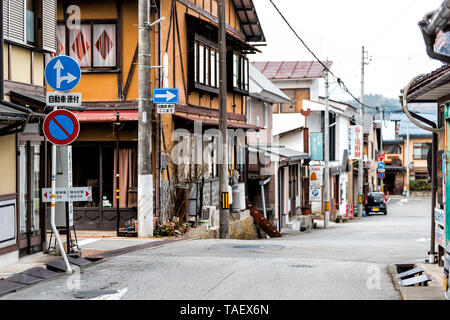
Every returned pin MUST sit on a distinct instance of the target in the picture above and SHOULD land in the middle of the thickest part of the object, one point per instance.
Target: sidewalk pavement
(91, 243)
(433, 291)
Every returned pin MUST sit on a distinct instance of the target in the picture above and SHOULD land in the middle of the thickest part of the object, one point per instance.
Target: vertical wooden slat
(17, 20)
(6, 18)
(49, 25)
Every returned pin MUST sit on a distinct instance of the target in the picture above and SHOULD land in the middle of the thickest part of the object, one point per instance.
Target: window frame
(243, 71)
(35, 23)
(202, 71)
(420, 146)
(92, 22)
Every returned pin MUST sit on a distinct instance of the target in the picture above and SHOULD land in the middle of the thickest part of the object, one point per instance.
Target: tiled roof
(275, 70)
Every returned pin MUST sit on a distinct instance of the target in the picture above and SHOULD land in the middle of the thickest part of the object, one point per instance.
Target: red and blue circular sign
(381, 175)
(61, 127)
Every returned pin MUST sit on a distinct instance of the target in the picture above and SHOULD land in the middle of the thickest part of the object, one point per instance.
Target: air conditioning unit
(304, 172)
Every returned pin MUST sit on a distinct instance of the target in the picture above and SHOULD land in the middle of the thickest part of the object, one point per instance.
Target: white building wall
(341, 137)
(314, 122)
(293, 141)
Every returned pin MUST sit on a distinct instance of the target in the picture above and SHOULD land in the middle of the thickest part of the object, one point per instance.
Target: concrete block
(240, 215)
(294, 225)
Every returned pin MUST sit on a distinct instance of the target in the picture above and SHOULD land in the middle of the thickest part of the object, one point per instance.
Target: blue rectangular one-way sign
(165, 96)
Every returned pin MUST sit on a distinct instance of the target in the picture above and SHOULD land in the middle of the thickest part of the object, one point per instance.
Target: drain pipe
(11, 105)
(435, 130)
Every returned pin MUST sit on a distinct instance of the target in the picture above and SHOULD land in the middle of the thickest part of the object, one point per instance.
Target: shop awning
(95, 116)
(395, 169)
(284, 153)
(11, 120)
(215, 122)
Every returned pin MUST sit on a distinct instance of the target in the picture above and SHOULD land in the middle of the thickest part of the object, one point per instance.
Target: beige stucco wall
(20, 65)
(38, 69)
(8, 164)
(417, 163)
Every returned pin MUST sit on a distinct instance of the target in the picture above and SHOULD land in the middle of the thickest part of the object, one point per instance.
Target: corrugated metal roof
(431, 86)
(286, 154)
(263, 88)
(414, 131)
(278, 70)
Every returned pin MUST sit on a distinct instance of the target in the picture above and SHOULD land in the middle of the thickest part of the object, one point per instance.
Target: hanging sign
(355, 142)
(74, 194)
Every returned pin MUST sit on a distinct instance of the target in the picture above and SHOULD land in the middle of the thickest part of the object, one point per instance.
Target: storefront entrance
(31, 210)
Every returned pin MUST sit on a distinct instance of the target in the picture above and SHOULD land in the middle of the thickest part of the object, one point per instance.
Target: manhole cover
(92, 294)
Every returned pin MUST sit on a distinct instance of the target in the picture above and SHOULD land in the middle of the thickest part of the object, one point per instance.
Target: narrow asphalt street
(346, 262)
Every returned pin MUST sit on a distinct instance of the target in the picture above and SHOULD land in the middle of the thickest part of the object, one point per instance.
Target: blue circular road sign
(381, 165)
(63, 73)
(61, 127)
(381, 175)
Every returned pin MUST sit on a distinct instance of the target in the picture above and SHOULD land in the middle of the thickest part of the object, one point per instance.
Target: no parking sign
(61, 127)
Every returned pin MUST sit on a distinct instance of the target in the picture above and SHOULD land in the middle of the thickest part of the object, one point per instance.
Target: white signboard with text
(316, 176)
(440, 234)
(355, 142)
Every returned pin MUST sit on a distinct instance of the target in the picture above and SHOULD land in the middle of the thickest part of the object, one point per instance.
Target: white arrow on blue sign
(63, 73)
(381, 165)
(166, 96)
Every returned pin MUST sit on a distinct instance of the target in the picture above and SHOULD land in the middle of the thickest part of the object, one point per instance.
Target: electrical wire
(338, 80)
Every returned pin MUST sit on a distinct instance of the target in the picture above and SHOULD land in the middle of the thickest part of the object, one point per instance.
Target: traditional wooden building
(28, 32)
(105, 44)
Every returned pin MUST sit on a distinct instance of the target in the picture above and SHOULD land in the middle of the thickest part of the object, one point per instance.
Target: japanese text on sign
(71, 99)
(355, 137)
(165, 108)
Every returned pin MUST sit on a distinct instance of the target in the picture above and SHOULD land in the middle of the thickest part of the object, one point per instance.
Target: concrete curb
(392, 270)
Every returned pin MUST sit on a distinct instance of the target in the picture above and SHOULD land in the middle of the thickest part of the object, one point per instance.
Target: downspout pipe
(431, 24)
(415, 118)
(2, 82)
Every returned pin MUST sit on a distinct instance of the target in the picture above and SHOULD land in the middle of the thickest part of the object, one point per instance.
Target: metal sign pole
(52, 210)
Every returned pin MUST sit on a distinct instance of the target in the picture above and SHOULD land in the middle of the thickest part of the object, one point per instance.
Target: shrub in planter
(420, 185)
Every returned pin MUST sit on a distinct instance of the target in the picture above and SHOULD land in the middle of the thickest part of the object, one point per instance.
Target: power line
(338, 80)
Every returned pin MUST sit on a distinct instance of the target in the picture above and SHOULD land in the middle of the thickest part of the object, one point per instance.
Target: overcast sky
(338, 29)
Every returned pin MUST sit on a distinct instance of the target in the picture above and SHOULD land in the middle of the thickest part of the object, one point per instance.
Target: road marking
(114, 296)
(423, 239)
(86, 242)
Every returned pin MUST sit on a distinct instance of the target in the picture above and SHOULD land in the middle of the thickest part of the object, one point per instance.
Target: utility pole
(361, 122)
(381, 140)
(407, 158)
(326, 126)
(224, 231)
(145, 177)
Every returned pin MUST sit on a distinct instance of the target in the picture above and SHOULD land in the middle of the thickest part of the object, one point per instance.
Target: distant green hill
(391, 105)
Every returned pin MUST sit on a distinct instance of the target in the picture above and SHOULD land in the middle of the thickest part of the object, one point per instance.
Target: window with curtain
(93, 45)
(104, 36)
(80, 45)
